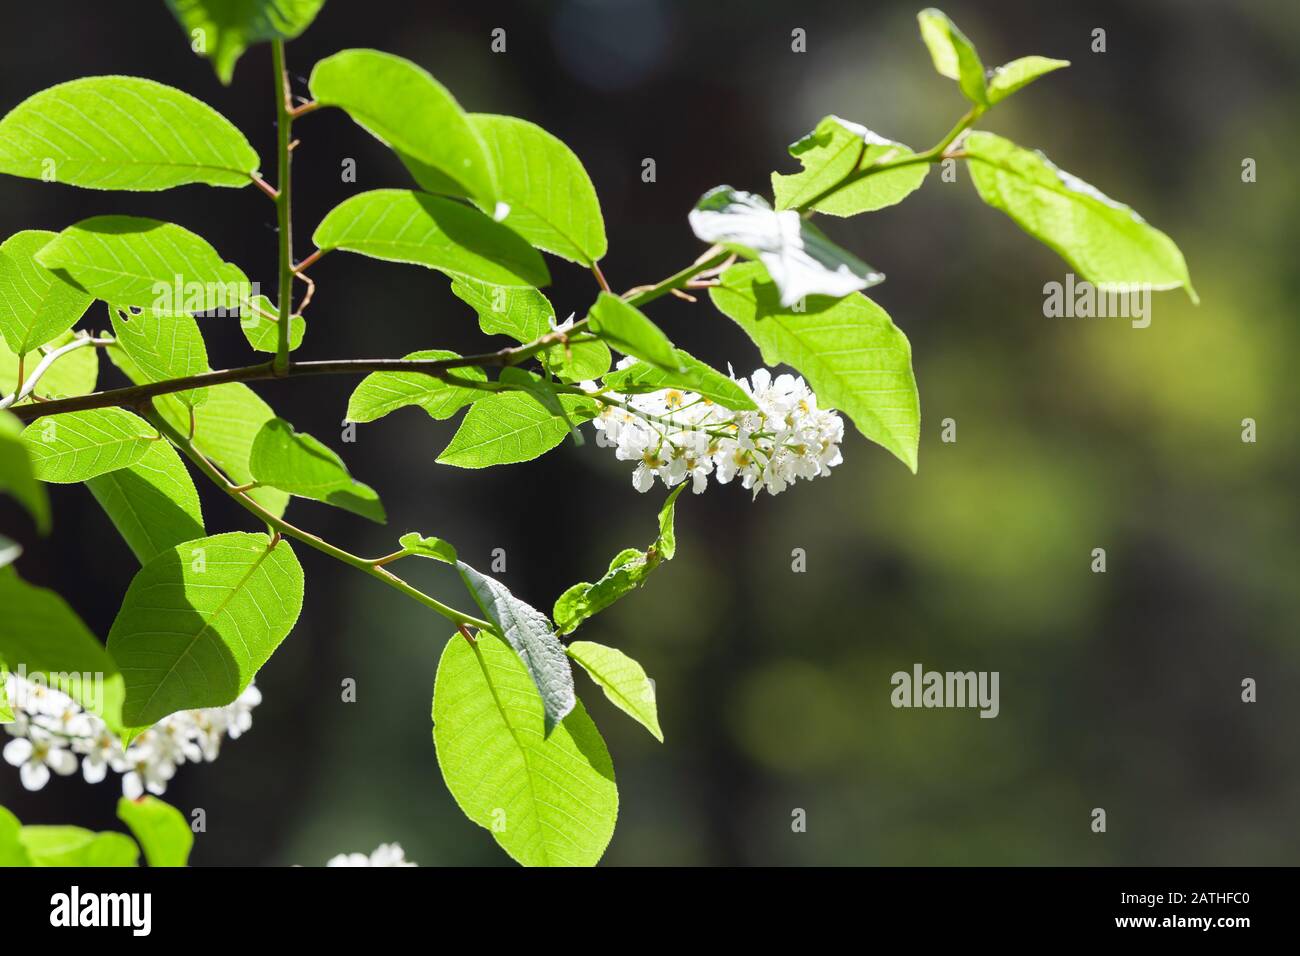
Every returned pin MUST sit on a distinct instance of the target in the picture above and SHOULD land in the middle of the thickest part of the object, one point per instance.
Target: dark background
(1119, 690)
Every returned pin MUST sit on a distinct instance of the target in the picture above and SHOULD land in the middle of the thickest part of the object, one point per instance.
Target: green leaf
(542, 391)
(74, 373)
(164, 347)
(45, 636)
(694, 377)
(157, 266)
(954, 56)
(435, 548)
(382, 392)
(229, 27)
(199, 621)
(123, 132)
(75, 847)
(526, 315)
(549, 799)
(666, 543)
(263, 333)
(35, 305)
(508, 427)
(224, 428)
(1012, 76)
(17, 473)
(836, 149)
(160, 829)
(623, 680)
(79, 445)
(551, 200)
(153, 503)
(12, 851)
(626, 328)
(1105, 241)
(527, 630)
(798, 256)
(301, 465)
(852, 354)
(626, 573)
(405, 108)
(400, 225)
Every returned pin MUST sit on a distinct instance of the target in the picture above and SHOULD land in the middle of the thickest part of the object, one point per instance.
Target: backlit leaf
(153, 503)
(551, 200)
(400, 225)
(35, 305)
(852, 354)
(123, 132)
(229, 27)
(162, 831)
(157, 266)
(548, 798)
(509, 427)
(1105, 241)
(301, 465)
(954, 56)
(404, 107)
(42, 635)
(833, 151)
(200, 620)
(80, 445)
(17, 473)
(623, 680)
(626, 328)
(382, 392)
(259, 321)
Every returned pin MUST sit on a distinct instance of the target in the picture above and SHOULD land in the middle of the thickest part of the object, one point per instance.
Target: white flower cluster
(387, 854)
(674, 435)
(53, 733)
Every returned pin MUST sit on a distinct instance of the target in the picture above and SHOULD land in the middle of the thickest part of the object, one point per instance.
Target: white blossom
(676, 435)
(51, 732)
(386, 854)
(798, 257)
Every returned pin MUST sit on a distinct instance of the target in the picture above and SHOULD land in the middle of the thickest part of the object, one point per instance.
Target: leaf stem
(675, 281)
(280, 526)
(284, 128)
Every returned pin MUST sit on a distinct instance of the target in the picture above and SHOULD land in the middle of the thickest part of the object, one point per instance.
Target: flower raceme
(386, 854)
(675, 435)
(51, 732)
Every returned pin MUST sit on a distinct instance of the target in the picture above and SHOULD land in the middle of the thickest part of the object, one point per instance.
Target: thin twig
(25, 388)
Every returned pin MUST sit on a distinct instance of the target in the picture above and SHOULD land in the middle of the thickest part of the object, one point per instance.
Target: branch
(26, 388)
(284, 147)
(282, 527)
(139, 394)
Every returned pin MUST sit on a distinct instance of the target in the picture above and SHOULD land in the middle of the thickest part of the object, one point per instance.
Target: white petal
(18, 751)
(34, 775)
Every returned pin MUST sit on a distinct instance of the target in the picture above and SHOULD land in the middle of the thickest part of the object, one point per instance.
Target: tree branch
(282, 527)
(138, 394)
(284, 148)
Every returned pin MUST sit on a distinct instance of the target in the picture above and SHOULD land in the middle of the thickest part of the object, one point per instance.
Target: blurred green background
(1118, 690)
